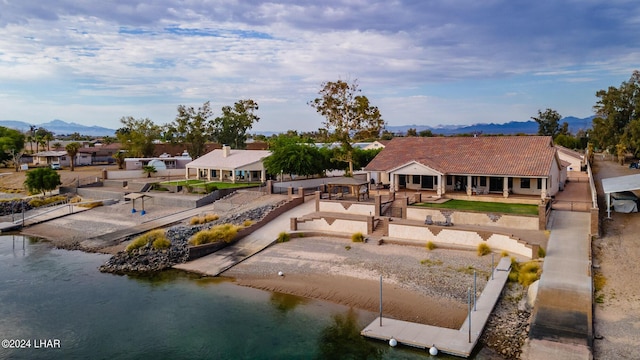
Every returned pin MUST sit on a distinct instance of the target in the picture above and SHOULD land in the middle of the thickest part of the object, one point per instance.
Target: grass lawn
(520, 209)
(182, 182)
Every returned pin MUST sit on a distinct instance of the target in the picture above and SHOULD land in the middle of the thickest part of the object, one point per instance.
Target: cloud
(157, 55)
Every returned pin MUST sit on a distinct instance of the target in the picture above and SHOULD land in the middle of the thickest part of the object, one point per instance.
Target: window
(525, 183)
(483, 181)
(539, 184)
(449, 180)
(427, 182)
(416, 179)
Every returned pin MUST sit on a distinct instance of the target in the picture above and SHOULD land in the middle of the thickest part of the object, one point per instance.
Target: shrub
(347, 247)
(515, 268)
(504, 253)
(247, 223)
(430, 245)
(283, 237)
(207, 218)
(146, 238)
(161, 243)
(137, 243)
(430, 262)
(195, 220)
(75, 199)
(225, 232)
(483, 249)
(599, 281)
(357, 237)
(92, 204)
(210, 187)
(211, 217)
(529, 272)
(541, 252)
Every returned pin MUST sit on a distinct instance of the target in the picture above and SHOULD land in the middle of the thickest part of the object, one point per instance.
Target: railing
(594, 194)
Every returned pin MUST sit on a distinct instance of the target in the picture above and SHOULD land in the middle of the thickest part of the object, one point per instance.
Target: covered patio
(355, 188)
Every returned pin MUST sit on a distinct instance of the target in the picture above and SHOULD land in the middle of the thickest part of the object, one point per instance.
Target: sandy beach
(419, 285)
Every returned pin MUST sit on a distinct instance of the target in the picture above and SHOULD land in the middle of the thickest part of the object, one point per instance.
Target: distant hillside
(511, 128)
(59, 127)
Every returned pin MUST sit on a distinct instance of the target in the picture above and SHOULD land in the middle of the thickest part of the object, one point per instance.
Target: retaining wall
(347, 207)
(475, 218)
(420, 235)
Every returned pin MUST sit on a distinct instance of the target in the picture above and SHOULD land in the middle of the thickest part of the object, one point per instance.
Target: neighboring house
(525, 165)
(228, 164)
(573, 159)
(100, 154)
(51, 157)
(60, 157)
(162, 162)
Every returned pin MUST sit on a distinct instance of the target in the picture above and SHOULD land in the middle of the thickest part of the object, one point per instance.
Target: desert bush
(92, 204)
(529, 272)
(541, 252)
(225, 232)
(357, 237)
(207, 218)
(75, 199)
(247, 223)
(161, 243)
(38, 201)
(515, 268)
(430, 245)
(146, 238)
(283, 237)
(504, 253)
(483, 249)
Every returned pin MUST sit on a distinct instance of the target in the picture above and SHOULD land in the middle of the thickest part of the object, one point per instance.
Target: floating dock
(453, 342)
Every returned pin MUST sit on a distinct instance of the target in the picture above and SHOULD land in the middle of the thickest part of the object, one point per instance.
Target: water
(50, 296)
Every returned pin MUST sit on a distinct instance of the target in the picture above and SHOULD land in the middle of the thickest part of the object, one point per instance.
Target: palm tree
(72, 151)
(48, 138)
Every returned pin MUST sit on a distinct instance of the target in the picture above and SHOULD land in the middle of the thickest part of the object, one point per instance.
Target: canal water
(55, 304)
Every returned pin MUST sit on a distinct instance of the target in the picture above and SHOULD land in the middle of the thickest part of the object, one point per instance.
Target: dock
(453, 342)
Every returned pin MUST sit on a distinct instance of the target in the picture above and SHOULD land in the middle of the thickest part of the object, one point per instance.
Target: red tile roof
(497, 155)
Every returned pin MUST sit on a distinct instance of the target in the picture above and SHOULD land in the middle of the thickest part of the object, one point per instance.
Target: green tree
(149, 169)
(192, 128)
(615, 111)
(548, 122)
(119, 157)
(137, 136)
(347, 114)
(290, 155)
(72, 151)
(425, 133)
(42, 180)
(231, 127)
(11, 146)
(412, 132)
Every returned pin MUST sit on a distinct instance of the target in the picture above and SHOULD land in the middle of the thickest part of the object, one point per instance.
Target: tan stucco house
(526, 165)
(228, 164)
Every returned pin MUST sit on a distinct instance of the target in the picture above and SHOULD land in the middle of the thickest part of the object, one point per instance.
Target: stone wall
(474, 218)
(448, 236)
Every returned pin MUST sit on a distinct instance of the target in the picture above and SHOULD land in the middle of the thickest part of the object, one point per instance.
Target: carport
(619, 184)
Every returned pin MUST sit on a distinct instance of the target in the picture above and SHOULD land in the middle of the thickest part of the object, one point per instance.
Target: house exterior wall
(575, 162)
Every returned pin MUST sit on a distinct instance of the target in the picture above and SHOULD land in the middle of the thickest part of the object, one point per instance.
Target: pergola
(133, 197)
(357, 187)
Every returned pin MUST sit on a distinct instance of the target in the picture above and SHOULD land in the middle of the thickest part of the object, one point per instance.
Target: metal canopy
(618, 184)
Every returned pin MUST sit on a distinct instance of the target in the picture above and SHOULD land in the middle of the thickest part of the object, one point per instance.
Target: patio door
(402, 181)
(496, 184)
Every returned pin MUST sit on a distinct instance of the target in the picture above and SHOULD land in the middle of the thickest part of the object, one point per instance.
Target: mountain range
(59, 127)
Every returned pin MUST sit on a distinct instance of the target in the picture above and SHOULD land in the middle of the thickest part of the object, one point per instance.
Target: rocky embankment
(508, 325)
(147, 259)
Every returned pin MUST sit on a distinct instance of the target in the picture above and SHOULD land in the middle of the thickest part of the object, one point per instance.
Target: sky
(424, 62)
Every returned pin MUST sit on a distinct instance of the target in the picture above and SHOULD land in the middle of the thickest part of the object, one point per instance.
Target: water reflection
(285, 302)
(342, 340)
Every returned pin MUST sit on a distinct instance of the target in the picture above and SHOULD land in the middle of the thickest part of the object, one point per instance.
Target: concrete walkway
(216, 263)
(561, 326)
(459, 342)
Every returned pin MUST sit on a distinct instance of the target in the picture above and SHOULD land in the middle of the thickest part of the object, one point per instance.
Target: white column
(543, 191)
(440, 187)
(505, 187)
(469, 184)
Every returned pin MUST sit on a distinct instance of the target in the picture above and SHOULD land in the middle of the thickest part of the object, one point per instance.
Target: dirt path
(616, 253)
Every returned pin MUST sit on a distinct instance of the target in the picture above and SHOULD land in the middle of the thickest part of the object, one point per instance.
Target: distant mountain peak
(60, 127)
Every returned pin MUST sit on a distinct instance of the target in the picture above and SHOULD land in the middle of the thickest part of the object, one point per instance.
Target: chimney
(226, 150)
